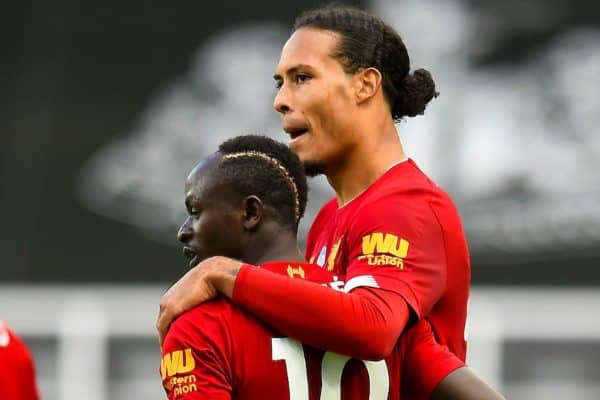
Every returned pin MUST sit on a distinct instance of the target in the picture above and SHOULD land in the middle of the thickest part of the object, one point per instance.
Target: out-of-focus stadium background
(106, 106)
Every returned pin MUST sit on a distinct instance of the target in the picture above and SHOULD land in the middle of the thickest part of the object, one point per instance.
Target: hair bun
(416, 90)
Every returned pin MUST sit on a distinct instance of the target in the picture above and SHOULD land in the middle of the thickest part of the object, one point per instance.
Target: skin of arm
(463, 384)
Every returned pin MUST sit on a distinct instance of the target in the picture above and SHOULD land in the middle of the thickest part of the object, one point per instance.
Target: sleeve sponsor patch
(175, 370)
(380, 248)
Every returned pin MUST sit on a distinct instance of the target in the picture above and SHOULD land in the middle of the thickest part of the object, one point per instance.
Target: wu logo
(384, 243)
(177, 362)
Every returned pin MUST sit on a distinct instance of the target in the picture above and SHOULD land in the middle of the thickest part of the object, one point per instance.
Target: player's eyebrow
(292, 70)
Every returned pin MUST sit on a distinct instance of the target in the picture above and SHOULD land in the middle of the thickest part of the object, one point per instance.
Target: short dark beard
(313, 168)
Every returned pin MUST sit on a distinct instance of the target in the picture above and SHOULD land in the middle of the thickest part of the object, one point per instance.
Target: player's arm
(365, 322)
(342, 322)
(395, 269)
(432, 371)
(194, 363)
(464, 384)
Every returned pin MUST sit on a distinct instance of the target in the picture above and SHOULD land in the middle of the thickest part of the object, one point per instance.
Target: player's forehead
(308, 47)
(201, 177)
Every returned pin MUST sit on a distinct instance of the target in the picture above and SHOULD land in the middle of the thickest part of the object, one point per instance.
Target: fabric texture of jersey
(218, 351)
(402, 234)
(17, 372)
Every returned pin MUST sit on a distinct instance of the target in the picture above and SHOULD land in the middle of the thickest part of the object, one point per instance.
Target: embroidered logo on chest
(322, 255)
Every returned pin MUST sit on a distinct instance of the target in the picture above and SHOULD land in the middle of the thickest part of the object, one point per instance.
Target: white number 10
(332, 368)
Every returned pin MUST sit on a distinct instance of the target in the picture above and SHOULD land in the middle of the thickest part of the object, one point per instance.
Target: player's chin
(300, 143)
(313, 168)
(297, 149)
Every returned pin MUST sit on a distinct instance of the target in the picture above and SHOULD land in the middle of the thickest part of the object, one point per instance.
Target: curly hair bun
(417, 90)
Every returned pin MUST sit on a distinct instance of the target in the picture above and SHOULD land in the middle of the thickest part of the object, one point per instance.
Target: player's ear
(367, 82)
(252, 212)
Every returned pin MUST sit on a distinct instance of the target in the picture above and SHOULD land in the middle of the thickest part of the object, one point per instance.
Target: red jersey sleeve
(426, 362)
(196, 353)
(397, 246)
(353, 319)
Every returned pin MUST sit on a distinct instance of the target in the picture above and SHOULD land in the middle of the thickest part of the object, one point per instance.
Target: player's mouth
(191, 255)
(295, 132)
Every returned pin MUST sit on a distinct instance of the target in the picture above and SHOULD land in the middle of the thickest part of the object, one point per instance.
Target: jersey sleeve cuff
(386, 283)
(240, 288)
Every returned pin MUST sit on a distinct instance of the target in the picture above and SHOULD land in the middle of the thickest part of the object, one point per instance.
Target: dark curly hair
(277, 179)
(367, 41)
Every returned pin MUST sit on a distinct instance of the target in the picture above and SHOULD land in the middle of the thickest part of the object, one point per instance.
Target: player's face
(315, 98)
(213, 226)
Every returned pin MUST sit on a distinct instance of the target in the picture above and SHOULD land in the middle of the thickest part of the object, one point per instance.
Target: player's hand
(198, 285)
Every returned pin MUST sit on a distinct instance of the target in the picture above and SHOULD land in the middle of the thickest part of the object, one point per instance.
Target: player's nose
(185, 232)
(281, 103)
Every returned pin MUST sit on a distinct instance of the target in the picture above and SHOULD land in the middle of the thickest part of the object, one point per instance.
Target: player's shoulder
(202, 320)
(408, 184)
(404, 199)
(217, 309)
(433, 195)
(408, 178)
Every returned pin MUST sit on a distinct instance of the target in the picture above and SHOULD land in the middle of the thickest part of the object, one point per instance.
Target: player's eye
(278, 84)
(302, 78)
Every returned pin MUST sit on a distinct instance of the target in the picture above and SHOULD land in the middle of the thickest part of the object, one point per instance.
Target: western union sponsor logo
(177, 362)
(179, 386)
(384, 243)
(383, 259)
(184, 389)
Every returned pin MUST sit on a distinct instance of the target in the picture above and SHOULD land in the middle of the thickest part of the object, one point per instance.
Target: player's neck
(365, 164)
(280, 245)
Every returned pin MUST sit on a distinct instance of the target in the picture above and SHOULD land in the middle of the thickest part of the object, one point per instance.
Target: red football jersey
(218, 351)
(17, 373)
(403, 234)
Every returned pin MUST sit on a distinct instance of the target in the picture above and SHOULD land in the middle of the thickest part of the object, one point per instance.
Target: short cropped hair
(258, 165)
